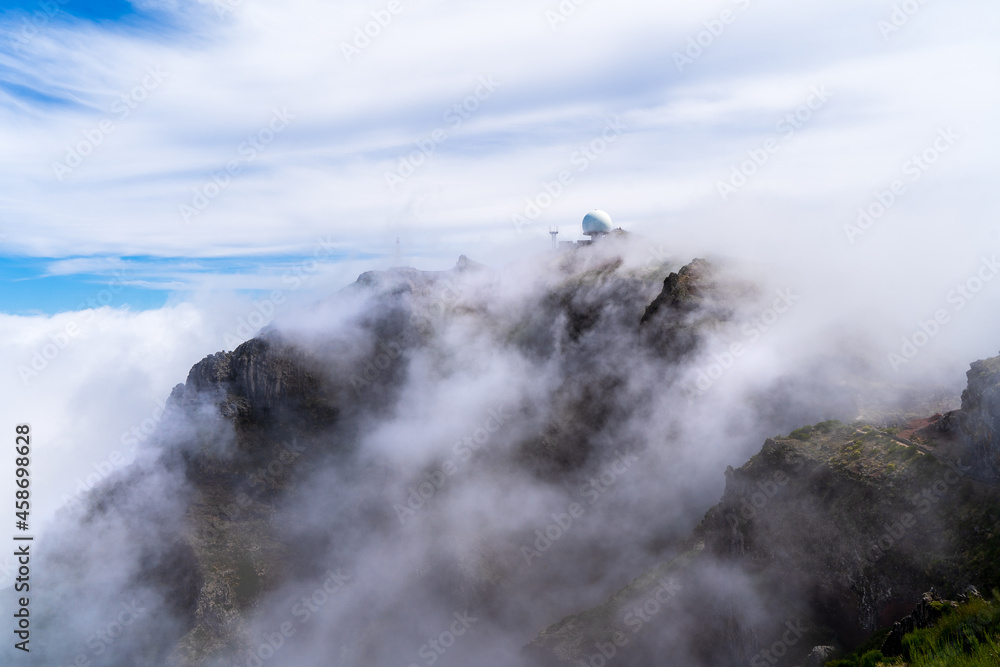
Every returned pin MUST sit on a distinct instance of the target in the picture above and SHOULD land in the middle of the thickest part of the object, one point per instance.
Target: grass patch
(968, 636)
(806, 432)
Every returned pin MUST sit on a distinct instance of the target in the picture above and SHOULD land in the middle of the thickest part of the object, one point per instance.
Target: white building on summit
(596, 224)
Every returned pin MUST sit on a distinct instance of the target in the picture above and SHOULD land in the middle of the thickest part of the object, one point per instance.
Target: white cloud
(84, 380)
(353, 121)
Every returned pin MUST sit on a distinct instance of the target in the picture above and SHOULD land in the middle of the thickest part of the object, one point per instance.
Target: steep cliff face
(256, 421)
(243, 411)
(674, 322)
(261, 382)
(797, 534)
(844, 514)
(979, 418)
(683, 290)
(839, 526)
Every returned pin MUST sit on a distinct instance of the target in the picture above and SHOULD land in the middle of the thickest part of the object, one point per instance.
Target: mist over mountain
(524, 466)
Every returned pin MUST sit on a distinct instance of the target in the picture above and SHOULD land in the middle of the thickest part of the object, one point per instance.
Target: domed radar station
(597, 224)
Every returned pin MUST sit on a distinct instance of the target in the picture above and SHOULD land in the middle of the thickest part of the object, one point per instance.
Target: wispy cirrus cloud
(168, 99)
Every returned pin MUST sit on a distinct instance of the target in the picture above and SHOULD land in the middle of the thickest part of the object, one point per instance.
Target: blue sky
(29, 289)
(45, 285)
(92, 10)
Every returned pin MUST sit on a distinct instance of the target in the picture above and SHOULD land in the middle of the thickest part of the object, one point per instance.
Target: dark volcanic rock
(682, 291)
(258, 382)
(979, 418)
(976, 425)
(930, 608)
(673, 324)
(834, 527)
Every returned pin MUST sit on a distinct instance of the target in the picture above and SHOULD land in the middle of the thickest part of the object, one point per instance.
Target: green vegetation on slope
(966, 636)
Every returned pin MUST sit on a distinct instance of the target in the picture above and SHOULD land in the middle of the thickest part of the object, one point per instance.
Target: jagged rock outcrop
(693, 300)
(683, 290)
(839, 527)
(979, 418)
(972, 432)
(259, 382)
(927, 612)
(819, 655)
(865, 522)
